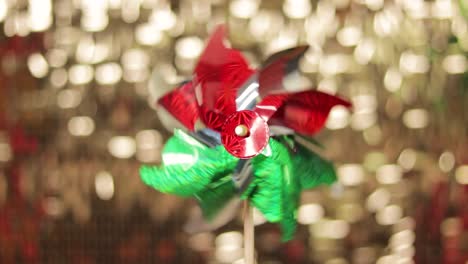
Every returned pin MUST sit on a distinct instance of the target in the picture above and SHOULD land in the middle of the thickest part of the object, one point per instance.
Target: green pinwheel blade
(188, 166)
(311, 169)
(275, 189)
(216, 195)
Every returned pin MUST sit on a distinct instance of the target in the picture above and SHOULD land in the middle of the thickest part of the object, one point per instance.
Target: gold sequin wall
(78, 84)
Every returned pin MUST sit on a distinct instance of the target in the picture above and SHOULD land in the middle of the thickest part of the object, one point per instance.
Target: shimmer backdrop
(78, 84)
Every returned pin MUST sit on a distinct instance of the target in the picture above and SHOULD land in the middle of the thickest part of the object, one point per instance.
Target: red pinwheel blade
(181, 104)
(276, 67)
(305, 112)
(218, 74)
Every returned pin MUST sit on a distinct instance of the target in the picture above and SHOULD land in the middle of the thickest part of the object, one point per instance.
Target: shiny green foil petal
(188, 166)
(311, 169)
(275, 191)
(216, 195)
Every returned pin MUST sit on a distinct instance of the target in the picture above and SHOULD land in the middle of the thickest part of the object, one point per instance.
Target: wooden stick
(249, 249)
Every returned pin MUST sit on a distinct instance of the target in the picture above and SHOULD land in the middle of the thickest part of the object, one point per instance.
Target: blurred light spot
(402, 238)
(338, 117)
(90, 52)
(284, 40)
(54, 206)
(297, 9)
(461, 174)
(56, 57)
(40, 14)
(451, 227)
(407, 159)
(243, 8)
(386, 22)
(378, 200)
(104, 185)
(69, 98)
(351, 174)
(189, 47)
(341, 4)
(148, 144)
(334, 229)
(146, 34)
(363, 120)
(228, 254)
(115, 4)
(350, 212)
(147, 139)
(163, 19)
(201, 242)
(37, 65)
(374, 160)
(364, 51)
(442, 9)
(389, 174)
(261, 24)
(404, 251)
(389, 215)
(6, 153)
(130, 11)
(94, 15)
(258, 217)
(229, 247)
(328, 85)
(135, 75)
(372, 135)
(374, 4)
(232, 239)
(334, 64)
(295, 82)
(122, 147)
(417, 9)
(364, 103)
(413, 63)
(388, 259)
(108, 73)
(446, 161)
(80, 74)
(393, 79)
(239, 261)
(349, 36)
(416, 118)
(81, 126)
(337, 260)
(58, 77)
(3, 10)
(455, 64)
(459, 26)
(310, 213)
(135, 59)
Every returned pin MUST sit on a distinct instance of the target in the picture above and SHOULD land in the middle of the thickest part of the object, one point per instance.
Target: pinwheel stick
(249, 249)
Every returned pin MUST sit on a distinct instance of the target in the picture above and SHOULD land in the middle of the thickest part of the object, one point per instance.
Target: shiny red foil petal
(271, 75)
(305, 112)
(182, 104)
(219, 73)
(251, 144)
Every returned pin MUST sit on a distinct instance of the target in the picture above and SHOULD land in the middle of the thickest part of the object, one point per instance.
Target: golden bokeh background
(78, 84)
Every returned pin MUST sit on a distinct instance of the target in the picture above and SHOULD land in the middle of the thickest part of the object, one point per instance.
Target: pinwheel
(239, 137)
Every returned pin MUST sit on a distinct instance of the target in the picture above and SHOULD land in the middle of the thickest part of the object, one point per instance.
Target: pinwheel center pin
(241, 130)
(245, 134)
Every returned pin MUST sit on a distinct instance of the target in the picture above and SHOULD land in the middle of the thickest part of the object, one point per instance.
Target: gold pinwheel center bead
(241, 130)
